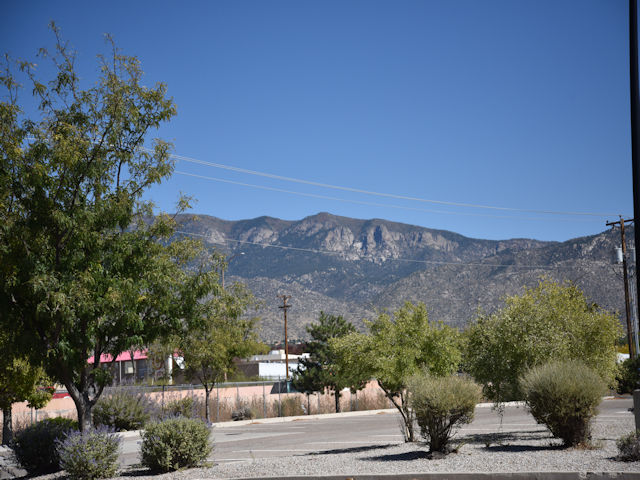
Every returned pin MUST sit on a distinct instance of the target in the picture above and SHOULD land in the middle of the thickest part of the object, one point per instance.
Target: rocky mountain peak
(355, 267)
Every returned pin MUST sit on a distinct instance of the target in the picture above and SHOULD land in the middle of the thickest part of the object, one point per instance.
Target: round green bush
(440, 405)
(628, 377)
(564, 397)
(89, 455)
(123, 410)
(174, 443)
(629, 447)
(35, 446)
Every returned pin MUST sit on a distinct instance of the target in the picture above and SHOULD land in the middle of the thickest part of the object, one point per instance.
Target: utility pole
(225, 265)
(284, 308)
(634, 98)
(632, 352)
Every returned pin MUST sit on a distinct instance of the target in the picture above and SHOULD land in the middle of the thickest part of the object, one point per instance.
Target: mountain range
(357, 268)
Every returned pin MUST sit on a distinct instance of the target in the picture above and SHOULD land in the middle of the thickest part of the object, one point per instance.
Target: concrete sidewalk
(471, 476)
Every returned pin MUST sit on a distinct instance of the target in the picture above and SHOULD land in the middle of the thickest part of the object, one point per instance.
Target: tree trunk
(308, 404)
(7, 425)
(85, 413)
(408, 422)
(79, 392)
(207, 391)
(405, 412)
(83, 406)
(337, 396)
(133, 364)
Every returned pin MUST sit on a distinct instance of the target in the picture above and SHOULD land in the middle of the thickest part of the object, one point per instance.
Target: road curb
(469, 476)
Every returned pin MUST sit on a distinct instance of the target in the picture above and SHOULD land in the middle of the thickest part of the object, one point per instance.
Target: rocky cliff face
(356, 267)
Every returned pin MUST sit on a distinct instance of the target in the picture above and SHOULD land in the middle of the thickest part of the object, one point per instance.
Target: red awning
(123, 357)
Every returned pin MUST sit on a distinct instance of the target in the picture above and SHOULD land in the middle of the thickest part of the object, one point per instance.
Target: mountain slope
(356, 267)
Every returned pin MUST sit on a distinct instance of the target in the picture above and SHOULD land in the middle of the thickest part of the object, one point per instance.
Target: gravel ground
(526, 451)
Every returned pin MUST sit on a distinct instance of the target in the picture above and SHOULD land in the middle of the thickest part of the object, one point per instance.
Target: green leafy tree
(320, 371)
(396, 348)
(552, 321)
(20, 381)
(224, 334)
(84, 271)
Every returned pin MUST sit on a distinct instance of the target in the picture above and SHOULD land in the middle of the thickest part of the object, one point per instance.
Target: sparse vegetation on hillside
(357, 283)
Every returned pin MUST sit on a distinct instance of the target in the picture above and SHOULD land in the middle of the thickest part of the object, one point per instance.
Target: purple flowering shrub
(124, 410)
(89, 455)
(35, 446)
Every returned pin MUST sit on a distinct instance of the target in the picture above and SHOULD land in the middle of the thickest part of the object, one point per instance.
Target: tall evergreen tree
(319, 371)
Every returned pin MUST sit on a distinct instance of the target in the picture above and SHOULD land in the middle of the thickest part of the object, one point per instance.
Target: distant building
(622, 357)
(130, 370)
(271, 366)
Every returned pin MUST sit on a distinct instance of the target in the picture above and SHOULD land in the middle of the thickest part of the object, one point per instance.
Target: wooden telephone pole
(634, 90)
(284, 308)
(632, 353)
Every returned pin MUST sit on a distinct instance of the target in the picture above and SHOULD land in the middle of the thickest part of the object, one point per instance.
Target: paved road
(235, 442)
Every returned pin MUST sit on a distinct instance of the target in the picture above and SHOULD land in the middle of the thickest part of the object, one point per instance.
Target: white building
(270, 366)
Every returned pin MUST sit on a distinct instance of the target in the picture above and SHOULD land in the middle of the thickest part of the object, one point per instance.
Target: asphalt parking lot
(242, 441)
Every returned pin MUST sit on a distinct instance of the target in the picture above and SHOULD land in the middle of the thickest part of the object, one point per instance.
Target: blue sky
(521, 105)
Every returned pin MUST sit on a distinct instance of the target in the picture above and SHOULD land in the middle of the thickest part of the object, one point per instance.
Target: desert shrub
(564, 396)
(292, 406)
(174, 443)
(325, 403)
(243, 412)
(628, 377)
(372, 401)
(123, 410)
(221, 411)
(187, 407)
(629, 447)
(257, 406)
(288, 407)
(441, 405)
(35, 446)
(89, 455)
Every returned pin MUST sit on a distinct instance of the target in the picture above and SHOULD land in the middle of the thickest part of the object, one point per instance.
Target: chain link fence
(227, 401)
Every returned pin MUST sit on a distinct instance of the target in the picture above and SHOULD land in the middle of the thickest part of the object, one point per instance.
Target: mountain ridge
(357, 267)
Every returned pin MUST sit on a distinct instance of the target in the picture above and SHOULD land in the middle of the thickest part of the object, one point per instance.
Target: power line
(374, 204)
(328, 252)
(366, 192)
(380, 194)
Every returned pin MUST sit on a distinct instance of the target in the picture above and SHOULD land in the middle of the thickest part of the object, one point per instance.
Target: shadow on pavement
(351, 450)
(399, 457)
(501, 437)
(514, 441)
(515, 448)
(135, 471)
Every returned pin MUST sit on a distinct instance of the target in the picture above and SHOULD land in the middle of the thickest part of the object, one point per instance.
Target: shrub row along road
(336, 434)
